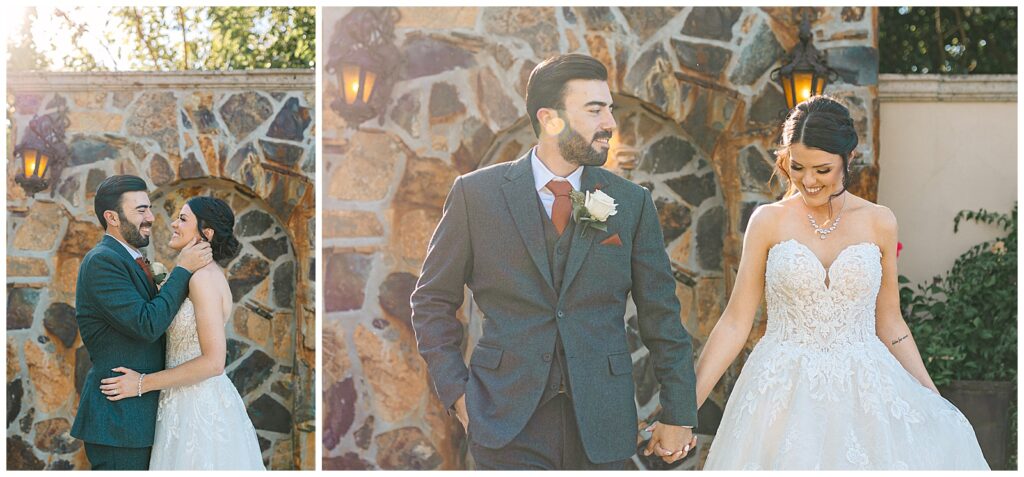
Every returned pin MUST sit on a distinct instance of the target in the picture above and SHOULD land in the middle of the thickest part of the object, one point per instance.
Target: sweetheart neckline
(828, 278)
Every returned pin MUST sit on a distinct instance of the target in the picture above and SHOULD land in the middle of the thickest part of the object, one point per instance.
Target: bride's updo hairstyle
(820, 122)
(213, 213)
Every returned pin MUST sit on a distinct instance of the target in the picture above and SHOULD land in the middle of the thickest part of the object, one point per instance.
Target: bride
(837, 381)
(202, 421)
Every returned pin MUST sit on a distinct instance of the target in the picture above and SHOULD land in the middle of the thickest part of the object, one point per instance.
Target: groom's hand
(669, 442)
(460, 412)
(195, 255)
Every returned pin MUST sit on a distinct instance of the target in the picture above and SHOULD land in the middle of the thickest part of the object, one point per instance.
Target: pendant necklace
(821, 230)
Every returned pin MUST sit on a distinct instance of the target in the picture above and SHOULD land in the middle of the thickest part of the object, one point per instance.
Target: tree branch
(184, 38)
(939, 36)
(142, 38)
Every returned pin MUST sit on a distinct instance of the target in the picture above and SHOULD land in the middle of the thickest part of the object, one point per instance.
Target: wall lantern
(42, 148)
(364, 59)
(805, 72)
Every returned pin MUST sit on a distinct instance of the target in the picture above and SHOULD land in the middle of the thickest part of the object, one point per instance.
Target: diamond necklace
(824, 232)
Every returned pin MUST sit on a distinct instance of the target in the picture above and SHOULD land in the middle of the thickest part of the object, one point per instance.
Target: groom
(122, 318)
(550, 385)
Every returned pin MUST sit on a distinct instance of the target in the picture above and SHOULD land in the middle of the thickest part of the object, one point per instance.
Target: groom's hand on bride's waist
(195, 255)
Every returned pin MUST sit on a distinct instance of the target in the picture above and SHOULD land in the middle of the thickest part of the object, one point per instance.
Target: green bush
(965, 322)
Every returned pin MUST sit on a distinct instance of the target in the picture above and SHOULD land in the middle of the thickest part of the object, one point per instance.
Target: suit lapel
(580, 244)
(521, 198)
(119, 249)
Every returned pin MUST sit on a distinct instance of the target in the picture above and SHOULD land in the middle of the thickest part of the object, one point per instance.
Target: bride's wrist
(145, 383)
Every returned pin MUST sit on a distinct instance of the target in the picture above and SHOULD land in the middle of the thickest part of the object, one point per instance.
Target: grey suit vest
(558, 254)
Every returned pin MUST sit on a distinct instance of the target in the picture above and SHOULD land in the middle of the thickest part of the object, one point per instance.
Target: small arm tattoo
(896, 342)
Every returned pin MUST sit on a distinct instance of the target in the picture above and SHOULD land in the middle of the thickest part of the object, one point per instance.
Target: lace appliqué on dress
(821, 391)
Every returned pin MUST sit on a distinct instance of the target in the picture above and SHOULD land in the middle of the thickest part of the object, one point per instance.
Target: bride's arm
(203, 291)
(889, 324)
(733, 328)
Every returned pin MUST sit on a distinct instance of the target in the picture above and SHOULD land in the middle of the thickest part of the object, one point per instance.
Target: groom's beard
(577, 150)
(130, 233)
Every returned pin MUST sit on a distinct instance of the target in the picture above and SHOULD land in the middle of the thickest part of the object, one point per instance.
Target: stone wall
(246, 137)
(699, 117)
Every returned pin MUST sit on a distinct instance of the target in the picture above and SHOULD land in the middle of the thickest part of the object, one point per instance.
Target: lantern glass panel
(802, 81)
(371, 77)
(33, 159)
(350, 82)
(819, 84)
(787, 91)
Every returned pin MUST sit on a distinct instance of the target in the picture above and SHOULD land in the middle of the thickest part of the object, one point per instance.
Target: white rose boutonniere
(159, 272)
(592, 209)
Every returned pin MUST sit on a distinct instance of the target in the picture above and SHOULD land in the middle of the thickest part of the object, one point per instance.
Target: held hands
(460, 412)
(126, 385)
(669, 442)
(195, 255)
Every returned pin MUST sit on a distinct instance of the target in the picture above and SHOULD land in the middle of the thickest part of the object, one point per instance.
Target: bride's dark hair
(213, 213)
(820, 122)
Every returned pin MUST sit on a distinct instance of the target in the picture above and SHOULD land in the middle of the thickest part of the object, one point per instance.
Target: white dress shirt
(131, 250)
(542, 175)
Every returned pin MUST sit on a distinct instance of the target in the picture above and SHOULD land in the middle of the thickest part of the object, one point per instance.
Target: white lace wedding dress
(821, 391)
(203, 426)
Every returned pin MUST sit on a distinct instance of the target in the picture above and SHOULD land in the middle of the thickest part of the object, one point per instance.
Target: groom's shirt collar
(131, 250)
(542, 175)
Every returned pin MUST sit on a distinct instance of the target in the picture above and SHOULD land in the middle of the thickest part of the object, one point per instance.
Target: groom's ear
(550, 121)
(112, 218)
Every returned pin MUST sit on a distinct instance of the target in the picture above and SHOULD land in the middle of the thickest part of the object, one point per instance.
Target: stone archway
(261, 333)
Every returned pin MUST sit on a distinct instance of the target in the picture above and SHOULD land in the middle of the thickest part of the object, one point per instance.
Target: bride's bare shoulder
(210, 277)
(764, 223)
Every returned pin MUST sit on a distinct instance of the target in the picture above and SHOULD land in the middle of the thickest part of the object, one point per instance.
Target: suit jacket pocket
(486, 357)
(620, 363)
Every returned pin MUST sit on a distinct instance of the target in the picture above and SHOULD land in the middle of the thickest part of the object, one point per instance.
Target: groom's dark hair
(546, 86)
(108, 194)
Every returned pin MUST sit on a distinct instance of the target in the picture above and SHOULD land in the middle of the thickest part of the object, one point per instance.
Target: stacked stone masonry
(246, 137)
(697, 114)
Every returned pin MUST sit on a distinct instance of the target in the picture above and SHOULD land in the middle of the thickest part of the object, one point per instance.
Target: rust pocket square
(613, 240)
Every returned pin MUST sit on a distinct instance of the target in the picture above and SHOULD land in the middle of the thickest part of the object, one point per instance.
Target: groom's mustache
(146, 224)
(602, 135)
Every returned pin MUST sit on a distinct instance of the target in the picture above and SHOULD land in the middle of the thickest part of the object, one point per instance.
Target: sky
(51, 29)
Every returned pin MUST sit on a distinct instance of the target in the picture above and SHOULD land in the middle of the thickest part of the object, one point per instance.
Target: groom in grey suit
(550, 385)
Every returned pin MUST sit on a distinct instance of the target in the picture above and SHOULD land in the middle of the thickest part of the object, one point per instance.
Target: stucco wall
(948, 143)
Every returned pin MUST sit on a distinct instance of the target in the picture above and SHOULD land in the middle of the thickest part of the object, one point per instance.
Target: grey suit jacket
(491, 238)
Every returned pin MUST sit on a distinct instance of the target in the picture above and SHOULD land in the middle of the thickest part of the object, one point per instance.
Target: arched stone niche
(261, 331)
(654, 151)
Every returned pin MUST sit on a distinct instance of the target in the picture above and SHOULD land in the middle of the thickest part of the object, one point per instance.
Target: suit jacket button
(547, 357)
(561, 250)
(560, 314)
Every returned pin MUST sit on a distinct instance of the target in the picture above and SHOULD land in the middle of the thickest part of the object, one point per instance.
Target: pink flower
(899, 246)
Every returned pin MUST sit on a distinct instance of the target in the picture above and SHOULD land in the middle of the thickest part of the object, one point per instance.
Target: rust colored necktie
(145, 267)
(561, 210)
